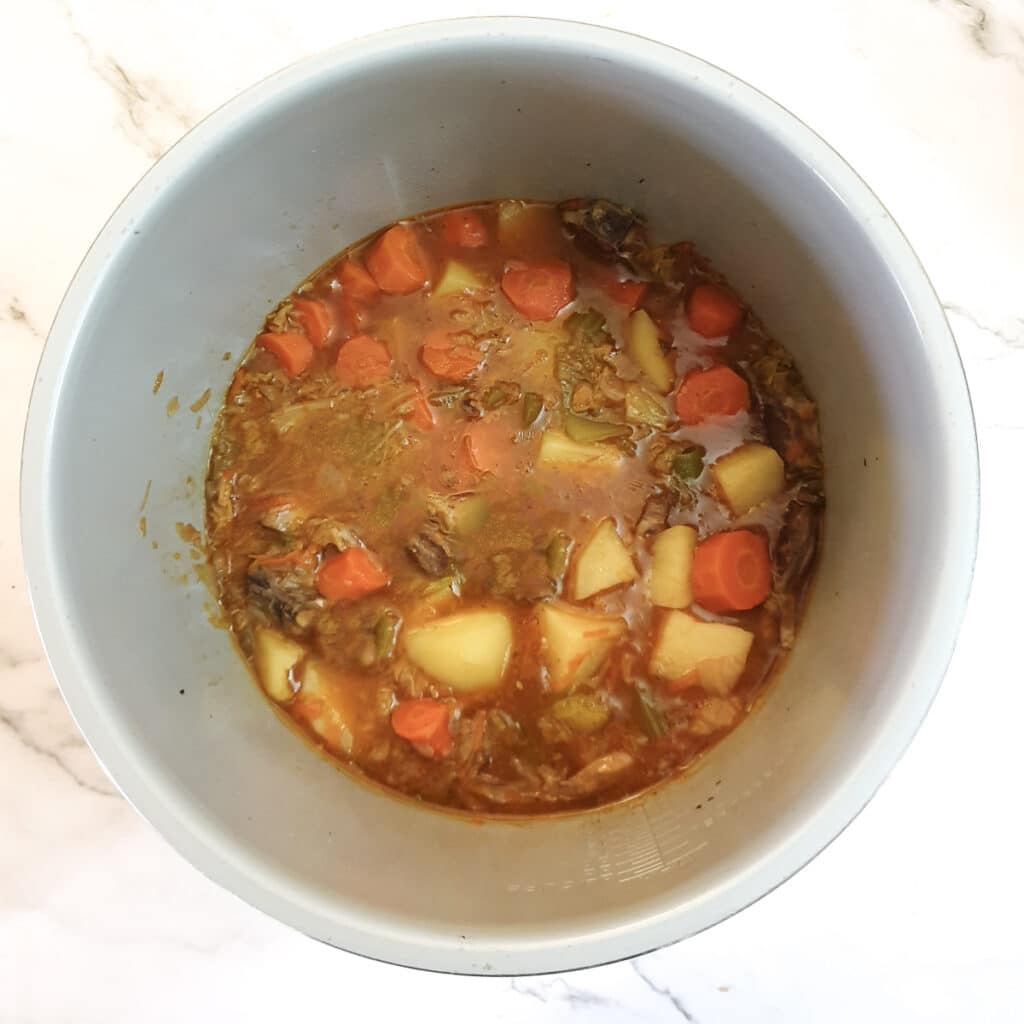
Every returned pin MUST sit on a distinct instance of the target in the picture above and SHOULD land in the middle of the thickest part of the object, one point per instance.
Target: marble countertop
(911, 915)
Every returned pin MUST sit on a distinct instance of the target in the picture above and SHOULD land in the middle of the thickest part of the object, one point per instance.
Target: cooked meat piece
(597, 775)
(792, 557)
(713, 715)
(431, 548)
(790, 416)
(797, 543)
(471, 745)
(284, 514)
(601, 773)
(324, 531)
(606, 226)
(223, 506)
(654, 516)
(521, 576)
(284, 590)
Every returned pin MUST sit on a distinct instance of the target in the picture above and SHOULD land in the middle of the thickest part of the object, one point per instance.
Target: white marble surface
(911, 915)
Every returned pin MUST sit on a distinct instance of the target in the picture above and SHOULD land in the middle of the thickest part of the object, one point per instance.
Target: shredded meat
(598, 775)
(792, 557)
(223, 502)
(521, 576)
(654, 516)
(285, 593)
(431, 548)
(606, 226)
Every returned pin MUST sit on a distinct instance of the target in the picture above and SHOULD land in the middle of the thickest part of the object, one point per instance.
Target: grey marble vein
(556, 990)
(994, 35)
(14, 723)
(1012, 336)
(142, 101)
(665, 992)
(15, 313)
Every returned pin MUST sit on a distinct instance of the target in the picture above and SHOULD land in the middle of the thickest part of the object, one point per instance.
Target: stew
(512, 510)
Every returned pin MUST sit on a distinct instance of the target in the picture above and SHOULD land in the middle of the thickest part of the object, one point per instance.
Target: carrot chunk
(449, 356)
(712, 311)
(464, 228)
(350, 574)
(539, 290)
(717, 391)
(397, 261)
(358, 293)
(316, 318)
(626, 293)
(424, 721)
(362, 361)
(731, 571)
(293, 350)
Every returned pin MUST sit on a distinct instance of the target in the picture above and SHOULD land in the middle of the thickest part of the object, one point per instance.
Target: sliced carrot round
(356, 283)
(424, 721)
(539, 290)
(717, 391)
(712, 311)
(626, 293)
(450, 356)
(350, 574)
(731, 572)
(397, 261)
(362, 361)
(293, 350)
(464, 228)
(316, 318)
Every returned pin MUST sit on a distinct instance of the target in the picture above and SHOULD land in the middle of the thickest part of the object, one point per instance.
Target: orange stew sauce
(512, 510)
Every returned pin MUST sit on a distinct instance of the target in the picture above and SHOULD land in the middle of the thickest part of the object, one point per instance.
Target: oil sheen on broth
(512, 510)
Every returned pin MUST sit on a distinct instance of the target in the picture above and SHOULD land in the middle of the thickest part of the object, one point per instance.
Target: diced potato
(668, 584)
(527, 225)
(457, 279)
(576, 643)
(689, 652)
(275, 656)
(560, 450)
(643, 348)
(748, 476)
(467, 651)
(469, 514)
(603, 562)
(321, 701)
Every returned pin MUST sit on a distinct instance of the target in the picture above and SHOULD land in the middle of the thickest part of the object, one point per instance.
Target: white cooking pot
(240, 211)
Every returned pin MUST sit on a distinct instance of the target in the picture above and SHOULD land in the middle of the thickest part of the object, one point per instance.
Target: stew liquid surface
(512, 510)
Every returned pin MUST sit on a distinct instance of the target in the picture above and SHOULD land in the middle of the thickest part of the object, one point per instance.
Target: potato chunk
(275, 655)
(668, 583)
(523, 227)
(467, 651)
(324, 702)
(560, 450)
(457, 279)
(643, 348)
(748, 476)
(576, 643)
(603, 563)
(689, 652)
